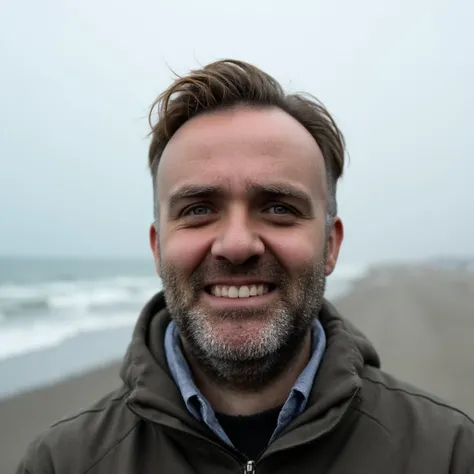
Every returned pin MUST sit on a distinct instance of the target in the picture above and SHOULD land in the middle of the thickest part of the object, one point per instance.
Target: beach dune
(420, 321)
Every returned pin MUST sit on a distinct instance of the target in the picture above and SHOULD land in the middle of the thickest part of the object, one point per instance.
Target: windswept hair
(229, 83)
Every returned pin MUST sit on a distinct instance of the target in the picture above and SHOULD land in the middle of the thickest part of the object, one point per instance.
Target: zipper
(250, 468)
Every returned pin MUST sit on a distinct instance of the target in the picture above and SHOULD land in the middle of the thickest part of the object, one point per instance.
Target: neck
(235, 402)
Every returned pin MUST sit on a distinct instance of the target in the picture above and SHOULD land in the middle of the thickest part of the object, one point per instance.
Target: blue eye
(280, 210)
(198, 211)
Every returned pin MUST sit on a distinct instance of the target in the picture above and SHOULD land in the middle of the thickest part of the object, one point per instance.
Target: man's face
(242, 245)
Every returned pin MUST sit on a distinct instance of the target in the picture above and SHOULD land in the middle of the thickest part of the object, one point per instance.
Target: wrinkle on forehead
(236, 145)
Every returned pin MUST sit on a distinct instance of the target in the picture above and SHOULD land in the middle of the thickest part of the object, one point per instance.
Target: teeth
(243, 291)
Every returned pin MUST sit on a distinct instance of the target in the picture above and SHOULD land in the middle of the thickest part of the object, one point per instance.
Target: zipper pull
(250, 468)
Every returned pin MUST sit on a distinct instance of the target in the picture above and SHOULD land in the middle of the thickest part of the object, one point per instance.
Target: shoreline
(74, 357)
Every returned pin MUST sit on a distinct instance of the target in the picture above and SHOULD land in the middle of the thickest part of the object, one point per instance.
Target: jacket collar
(155, 396)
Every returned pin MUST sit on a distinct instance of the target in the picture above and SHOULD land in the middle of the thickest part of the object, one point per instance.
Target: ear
(155, 247)
(335, 238)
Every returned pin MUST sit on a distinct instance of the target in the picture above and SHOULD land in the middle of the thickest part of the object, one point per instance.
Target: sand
(24, 416)
(421, 323)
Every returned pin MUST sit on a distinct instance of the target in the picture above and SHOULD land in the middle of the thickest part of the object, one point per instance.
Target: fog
(78, 78)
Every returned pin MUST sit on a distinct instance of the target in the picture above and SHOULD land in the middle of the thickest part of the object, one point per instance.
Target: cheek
(298, 250)
(183, 250)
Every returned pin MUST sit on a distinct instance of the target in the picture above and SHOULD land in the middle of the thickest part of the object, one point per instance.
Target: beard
(259, 357)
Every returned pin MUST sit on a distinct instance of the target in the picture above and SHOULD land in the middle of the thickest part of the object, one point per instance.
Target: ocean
(60, 317)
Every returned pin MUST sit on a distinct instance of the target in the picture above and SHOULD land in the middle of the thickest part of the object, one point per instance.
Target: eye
(280, 210)
(197, 211)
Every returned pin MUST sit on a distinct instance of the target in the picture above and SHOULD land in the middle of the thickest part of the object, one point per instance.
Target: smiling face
(243, 248)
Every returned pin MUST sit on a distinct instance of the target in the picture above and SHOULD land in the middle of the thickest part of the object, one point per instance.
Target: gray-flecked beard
(256, 364)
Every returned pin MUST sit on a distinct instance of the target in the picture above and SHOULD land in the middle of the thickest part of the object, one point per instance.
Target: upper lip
(239, 282)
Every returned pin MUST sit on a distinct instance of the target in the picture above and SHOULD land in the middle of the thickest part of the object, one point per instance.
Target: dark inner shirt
(250, 434)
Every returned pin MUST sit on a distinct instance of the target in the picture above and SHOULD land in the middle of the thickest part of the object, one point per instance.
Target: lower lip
(250, 302)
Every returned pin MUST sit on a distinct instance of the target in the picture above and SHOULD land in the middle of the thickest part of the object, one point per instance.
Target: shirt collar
(183, 378)
(304, 383)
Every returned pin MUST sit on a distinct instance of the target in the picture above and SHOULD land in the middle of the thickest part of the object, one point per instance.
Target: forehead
(239, 146)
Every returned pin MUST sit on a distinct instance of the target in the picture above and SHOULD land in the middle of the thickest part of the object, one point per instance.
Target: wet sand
(421, 323)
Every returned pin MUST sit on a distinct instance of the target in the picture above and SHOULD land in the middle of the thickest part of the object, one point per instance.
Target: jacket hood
(155, 396)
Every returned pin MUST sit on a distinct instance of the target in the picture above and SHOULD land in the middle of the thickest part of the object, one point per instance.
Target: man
(240, 365)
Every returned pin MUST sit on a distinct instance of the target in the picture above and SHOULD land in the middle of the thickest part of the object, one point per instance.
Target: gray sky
(77, 79)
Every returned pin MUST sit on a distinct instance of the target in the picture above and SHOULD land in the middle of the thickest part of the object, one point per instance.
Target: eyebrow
(193, 191)
(280, 190)
(270, 189)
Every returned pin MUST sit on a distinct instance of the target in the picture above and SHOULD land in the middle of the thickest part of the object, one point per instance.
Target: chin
(245, 339)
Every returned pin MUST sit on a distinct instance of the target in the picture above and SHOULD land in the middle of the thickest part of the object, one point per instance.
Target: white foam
(42, 334)
(79, 295)
(91, 297)
(45, 314)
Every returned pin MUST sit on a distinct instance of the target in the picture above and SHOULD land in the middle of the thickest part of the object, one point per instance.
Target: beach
(420, 320)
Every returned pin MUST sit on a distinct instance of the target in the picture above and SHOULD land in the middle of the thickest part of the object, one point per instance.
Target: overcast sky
(77, 78)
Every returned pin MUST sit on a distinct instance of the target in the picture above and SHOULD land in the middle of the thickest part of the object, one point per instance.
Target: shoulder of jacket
(82, 439)
(394, 403)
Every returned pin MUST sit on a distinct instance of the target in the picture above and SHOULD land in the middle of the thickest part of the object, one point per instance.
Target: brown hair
(227, 83)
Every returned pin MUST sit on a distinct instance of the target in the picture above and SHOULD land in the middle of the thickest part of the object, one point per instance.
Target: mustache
(222, 269)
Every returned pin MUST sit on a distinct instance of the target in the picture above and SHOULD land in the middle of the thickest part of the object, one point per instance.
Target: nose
(237, 240)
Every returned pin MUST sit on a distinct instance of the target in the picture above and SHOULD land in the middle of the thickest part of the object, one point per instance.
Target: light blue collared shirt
(201, 409)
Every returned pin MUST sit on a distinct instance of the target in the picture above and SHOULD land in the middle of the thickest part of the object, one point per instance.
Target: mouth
(240, 291)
